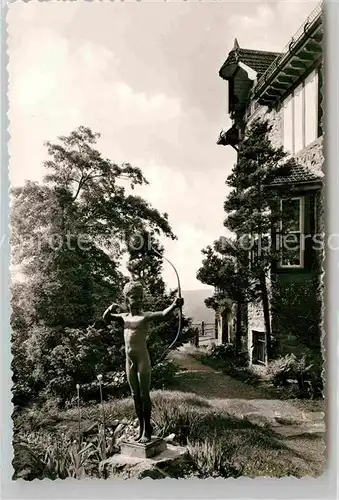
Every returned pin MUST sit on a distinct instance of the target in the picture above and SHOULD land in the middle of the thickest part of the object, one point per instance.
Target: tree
(253, 209)
(145, 265)
(69, 234)
(223, 268)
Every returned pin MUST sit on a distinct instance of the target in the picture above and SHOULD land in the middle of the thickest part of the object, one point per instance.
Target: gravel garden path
(246, 401)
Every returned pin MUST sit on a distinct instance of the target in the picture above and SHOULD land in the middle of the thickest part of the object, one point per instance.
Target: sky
(145, 76)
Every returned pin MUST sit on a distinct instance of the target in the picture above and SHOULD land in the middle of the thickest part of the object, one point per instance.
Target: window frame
(256, 341)
(300, 232)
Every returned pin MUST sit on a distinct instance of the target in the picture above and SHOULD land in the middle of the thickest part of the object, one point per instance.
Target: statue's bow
(180, 309)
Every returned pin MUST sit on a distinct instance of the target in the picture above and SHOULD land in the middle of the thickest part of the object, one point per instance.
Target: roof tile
(298, 174)
(256, 59)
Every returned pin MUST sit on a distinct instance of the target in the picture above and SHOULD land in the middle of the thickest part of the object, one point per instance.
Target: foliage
(225, 359)
(41, 455)
(210, 459)
(145, 265)
(220, 270)
(296, 316)
(69, 234)
(114, 384)
(223, 352)
(219, 444)
(308, 376)
(163, 375)
(296, 319)
(227, 353)
(45, 456)
(60, 358)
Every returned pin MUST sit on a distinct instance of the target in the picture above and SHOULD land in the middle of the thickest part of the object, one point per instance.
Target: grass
(219, 444)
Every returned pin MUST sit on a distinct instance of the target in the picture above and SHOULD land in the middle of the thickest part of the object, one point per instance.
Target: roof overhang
(301, 55)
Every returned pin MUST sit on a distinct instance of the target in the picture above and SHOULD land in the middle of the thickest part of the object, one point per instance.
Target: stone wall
(224, 322)
(219, 329)
(312, 156)
(275, 118)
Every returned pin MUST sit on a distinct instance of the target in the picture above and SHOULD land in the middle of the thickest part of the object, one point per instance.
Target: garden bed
(219, 445)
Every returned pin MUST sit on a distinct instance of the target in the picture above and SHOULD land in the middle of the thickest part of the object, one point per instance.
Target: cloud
(195, 206)
(137, 107)
(32, 85)
(55, 87)
(56, 74)
(152, 91)
(255, 27)
(83, 85)
(270, 26)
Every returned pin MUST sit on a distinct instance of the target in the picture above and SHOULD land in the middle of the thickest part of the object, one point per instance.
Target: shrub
(51, 361)
(223, 352)
(210, 460)
(163, 375)
(45, 456)
(278, 370)
(296, 316)
(227, 353)
(289, 367)
(114, 384)
(176, 418)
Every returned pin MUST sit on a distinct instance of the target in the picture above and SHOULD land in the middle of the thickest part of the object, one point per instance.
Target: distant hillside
(194, 306)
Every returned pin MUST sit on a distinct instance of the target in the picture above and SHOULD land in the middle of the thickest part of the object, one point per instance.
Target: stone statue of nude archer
(138, 365)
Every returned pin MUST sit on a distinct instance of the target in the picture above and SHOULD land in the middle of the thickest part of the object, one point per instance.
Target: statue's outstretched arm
(162, 314)
(111, 315)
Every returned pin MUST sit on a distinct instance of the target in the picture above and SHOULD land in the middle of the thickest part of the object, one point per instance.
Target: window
(300, 115)
(298, 119)
(288, 124)
(259, 347)
(291, 233)
(311, 108)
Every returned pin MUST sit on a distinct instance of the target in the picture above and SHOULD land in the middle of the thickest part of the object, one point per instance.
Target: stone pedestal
(169, 463)
(142, 450)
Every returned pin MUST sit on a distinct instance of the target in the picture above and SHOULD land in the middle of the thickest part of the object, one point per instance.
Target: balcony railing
(308, 23)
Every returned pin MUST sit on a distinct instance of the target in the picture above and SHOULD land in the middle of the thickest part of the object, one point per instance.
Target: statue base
(134, 449)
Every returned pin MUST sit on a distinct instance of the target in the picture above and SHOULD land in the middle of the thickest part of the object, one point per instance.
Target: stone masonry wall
(275, 118)
(312, 156)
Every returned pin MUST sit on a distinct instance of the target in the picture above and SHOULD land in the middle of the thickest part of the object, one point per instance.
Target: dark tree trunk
(238, 330)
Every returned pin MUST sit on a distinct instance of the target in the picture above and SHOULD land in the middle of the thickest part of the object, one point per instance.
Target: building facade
(286, 89)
